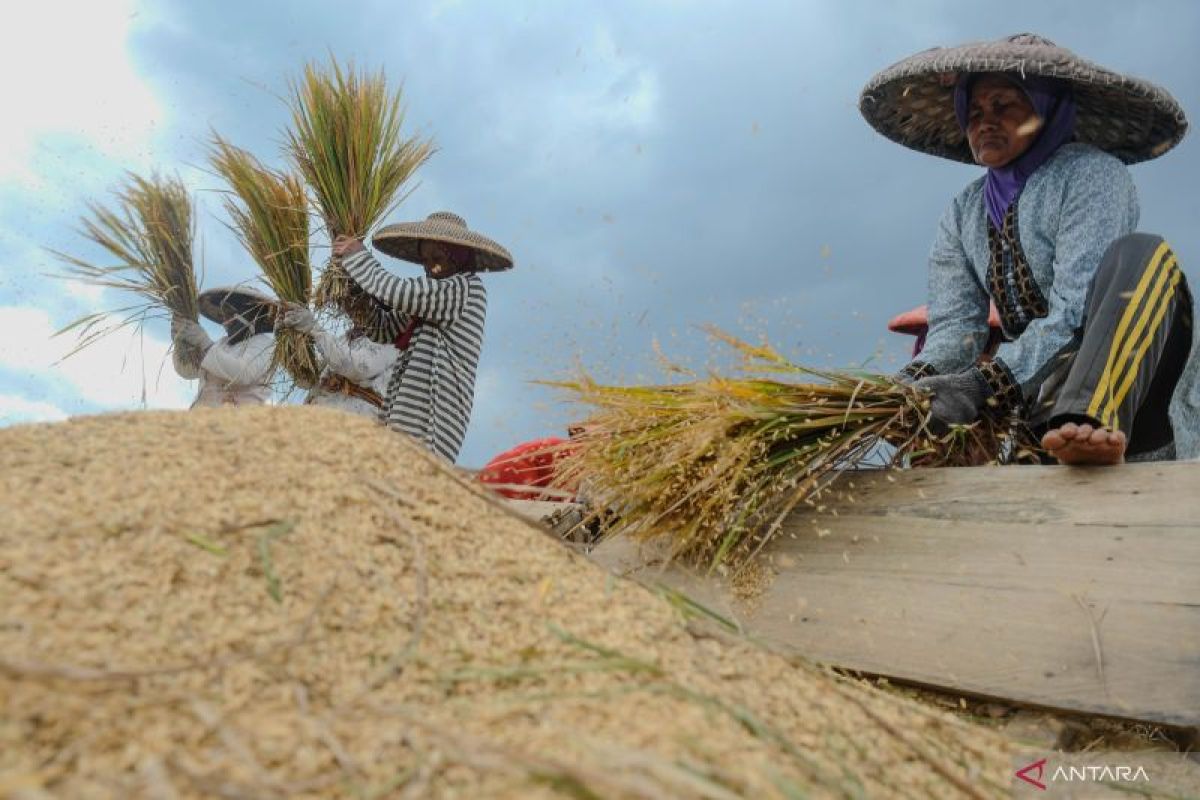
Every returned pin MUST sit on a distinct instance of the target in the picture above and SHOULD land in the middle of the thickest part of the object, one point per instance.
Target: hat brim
(403, 241)
(912, 102)
(222, 304)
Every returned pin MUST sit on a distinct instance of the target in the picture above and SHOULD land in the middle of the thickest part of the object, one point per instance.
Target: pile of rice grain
(292, 602)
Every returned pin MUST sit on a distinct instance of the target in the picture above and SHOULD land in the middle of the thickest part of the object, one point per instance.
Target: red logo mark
(1036, 766)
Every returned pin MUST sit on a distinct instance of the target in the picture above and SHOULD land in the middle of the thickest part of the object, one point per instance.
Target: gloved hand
(189, 332)
(297, 317)
(956, 399)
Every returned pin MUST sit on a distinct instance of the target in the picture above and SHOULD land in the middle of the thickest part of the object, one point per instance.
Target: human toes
(1054, 440)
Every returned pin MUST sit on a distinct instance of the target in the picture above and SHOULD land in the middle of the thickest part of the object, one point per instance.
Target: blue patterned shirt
(1072, 208)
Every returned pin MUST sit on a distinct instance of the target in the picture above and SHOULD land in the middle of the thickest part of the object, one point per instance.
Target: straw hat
(912, 102)
(224, 302)
(404, 240)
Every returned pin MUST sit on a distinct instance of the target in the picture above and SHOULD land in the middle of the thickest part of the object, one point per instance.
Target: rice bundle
(271, 220)
(149, 232)
(717, 464)
(346, 141)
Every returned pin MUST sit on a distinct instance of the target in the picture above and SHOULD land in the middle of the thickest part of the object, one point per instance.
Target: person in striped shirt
(436, 321)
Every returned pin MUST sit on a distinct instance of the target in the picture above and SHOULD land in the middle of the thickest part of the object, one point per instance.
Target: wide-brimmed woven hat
(404, 240)
(912, 102)
(223, 302)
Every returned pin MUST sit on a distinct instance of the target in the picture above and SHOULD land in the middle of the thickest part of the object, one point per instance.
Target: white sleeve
(246, 364)
(360, 360)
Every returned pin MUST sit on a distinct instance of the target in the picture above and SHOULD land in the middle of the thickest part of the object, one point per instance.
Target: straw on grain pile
(271, 221)
(241, 615)
(149, 233)
(346, 140)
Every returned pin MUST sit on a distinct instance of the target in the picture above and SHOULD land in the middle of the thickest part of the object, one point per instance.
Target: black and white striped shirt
(432, 386)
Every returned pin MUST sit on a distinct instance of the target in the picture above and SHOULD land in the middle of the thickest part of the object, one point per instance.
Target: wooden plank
(1063, 587)
(534, 510)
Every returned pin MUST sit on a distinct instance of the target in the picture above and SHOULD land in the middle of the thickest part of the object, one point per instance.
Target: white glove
(189, 333)
(297, 317)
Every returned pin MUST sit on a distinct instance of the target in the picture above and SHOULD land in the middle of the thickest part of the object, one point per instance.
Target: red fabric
(915, 322)
(527, 464)
(405, 336)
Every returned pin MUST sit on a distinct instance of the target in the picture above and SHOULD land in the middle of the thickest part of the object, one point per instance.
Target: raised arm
(386, 324)
(431, 300)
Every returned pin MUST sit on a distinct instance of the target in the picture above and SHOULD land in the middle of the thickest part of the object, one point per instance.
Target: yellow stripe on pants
(1147, 339)
(1135, 337)
(1115, 350)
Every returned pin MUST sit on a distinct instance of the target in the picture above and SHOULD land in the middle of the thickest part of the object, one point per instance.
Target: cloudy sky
(653, 166)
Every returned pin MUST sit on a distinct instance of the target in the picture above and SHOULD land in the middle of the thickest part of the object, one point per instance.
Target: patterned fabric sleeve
(1006, 397)
(432, 300)
(958, 305)
(387, 325)
(919, 369)
(1098, 207)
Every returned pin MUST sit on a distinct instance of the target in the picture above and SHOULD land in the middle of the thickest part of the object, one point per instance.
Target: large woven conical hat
(224, 302)
(403, 240)
(912, 102)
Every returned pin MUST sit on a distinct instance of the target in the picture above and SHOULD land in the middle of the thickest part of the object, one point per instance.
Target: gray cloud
(652, 166)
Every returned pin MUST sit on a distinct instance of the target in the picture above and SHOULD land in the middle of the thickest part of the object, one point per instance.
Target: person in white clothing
(236, 369)
(356, 369)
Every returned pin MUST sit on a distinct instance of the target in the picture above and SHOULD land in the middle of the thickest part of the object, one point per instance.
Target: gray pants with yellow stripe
(1121, 369)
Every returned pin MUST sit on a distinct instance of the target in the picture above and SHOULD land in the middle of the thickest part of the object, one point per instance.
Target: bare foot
(1084, 444)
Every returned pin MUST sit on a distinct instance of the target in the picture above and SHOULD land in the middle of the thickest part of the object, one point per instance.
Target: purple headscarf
(1054, 104)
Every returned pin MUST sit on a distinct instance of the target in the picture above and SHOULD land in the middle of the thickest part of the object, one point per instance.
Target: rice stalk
(148, 232)
(268, 211)
(714, 465)
(346, 140)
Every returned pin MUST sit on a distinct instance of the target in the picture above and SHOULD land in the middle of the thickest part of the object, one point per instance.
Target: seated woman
(356, 370)
(439, 316)
(1099, 357)
(236, 370)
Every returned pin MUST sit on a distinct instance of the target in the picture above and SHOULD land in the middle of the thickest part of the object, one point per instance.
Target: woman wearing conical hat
(436, 320)
(237, 368)
(1099, 351)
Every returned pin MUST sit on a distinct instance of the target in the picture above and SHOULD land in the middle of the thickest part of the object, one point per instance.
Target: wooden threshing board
(1063, 587)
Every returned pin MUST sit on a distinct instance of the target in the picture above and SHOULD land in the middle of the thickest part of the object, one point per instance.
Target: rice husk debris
(198, 604)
